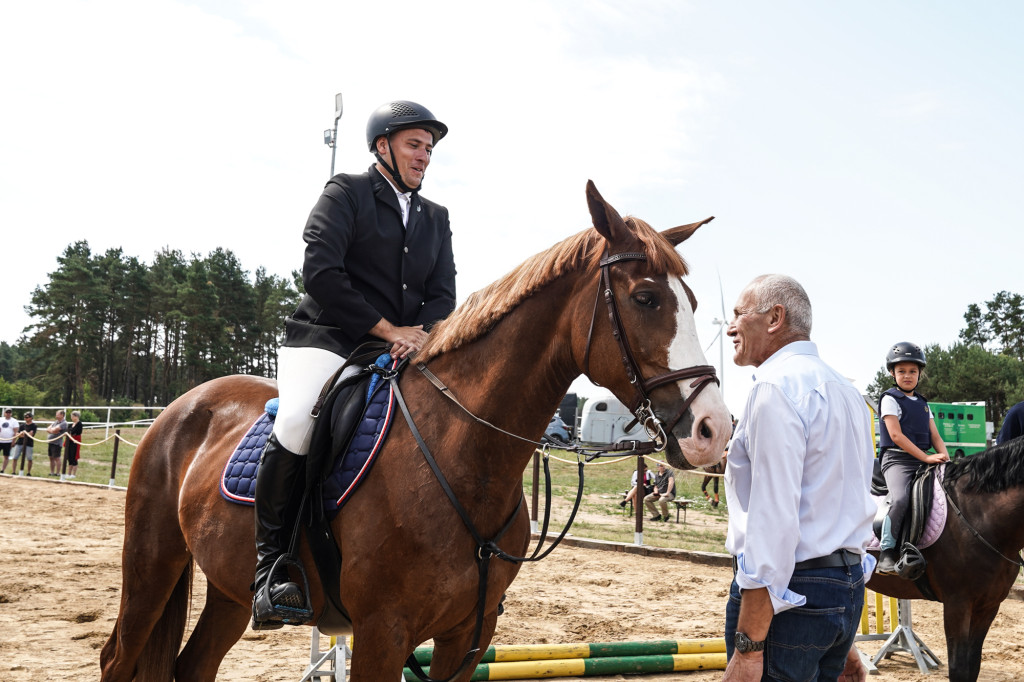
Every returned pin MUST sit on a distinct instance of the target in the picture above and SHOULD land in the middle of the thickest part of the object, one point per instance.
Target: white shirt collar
(404, 199)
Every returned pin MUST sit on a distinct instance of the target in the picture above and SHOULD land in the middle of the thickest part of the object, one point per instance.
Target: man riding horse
(378, 266)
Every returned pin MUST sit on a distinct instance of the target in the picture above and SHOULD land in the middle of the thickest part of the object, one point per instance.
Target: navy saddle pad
(238, 482)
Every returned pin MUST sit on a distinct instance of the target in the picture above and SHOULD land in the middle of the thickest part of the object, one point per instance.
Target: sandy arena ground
(61, 580)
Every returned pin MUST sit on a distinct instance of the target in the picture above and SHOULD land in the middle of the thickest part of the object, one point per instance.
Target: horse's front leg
(966, 625)
(451, 648)
(380, 645)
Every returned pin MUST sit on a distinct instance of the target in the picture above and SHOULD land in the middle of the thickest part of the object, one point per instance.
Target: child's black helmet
(398, 115)
(904, 351)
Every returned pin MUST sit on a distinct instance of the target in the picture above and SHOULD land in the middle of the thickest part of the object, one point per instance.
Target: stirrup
(911, 564)
(269, 616)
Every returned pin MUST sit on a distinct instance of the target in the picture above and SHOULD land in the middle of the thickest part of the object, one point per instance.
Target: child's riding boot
(278, 600)
(887, 562)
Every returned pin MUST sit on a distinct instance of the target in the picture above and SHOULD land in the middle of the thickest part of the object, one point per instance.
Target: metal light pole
(331, 136)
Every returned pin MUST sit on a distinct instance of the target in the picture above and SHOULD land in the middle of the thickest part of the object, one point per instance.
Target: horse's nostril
(705, 430)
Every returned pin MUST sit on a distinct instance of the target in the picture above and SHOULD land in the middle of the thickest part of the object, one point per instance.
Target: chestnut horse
(409, 570)
(973, 564)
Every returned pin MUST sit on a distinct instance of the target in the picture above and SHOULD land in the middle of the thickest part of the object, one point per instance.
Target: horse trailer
(605, 420)
(962, 427)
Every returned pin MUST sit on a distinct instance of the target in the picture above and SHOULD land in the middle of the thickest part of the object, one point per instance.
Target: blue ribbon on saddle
(238, 482)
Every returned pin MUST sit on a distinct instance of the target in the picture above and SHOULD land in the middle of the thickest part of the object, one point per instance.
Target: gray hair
(772, 290)
(75, 413)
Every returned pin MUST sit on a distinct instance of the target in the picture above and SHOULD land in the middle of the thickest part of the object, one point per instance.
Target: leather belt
(840, 557)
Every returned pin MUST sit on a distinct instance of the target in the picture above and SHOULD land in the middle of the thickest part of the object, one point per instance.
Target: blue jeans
(809, 642)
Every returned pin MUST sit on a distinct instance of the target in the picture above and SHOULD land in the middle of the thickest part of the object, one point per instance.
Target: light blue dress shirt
(799, 472)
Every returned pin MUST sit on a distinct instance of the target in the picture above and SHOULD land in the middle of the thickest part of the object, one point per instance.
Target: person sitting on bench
(664, 492)
(630, 497)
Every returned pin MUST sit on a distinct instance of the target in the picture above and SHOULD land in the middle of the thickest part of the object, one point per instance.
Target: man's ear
(776, 318)
(382, 145)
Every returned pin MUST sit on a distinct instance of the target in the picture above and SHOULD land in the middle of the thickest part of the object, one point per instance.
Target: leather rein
(642, 411)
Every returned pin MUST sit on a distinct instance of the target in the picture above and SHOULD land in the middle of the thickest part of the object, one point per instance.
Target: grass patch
(601, 518)
(96, 455)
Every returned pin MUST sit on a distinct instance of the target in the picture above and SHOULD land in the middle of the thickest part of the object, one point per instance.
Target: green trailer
(961, 426)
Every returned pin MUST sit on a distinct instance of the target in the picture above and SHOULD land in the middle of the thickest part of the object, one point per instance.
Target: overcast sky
(872, 150)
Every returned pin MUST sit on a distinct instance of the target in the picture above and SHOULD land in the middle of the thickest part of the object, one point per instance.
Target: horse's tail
(156, 663)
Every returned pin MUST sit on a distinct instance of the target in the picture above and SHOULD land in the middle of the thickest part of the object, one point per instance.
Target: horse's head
(641, 340)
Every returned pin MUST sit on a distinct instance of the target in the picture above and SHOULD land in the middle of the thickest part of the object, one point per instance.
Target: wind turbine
(721, 323)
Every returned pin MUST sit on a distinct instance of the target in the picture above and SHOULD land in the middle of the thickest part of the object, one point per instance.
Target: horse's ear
(607, 220)
(678, 235)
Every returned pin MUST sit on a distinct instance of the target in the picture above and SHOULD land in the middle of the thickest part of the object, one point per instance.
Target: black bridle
(643, 413)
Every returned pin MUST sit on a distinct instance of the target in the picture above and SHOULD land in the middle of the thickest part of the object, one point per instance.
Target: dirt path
(61, 585)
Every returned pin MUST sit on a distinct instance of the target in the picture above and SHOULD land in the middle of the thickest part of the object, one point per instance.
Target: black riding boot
(278, 600)
(887, 561)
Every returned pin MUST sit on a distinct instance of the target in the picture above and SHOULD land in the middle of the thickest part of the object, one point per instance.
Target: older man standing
(797, 480)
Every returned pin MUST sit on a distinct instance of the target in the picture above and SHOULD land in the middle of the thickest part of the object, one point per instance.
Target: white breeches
(301, 373)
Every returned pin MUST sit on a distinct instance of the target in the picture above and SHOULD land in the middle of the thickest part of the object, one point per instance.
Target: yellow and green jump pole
(535, 661)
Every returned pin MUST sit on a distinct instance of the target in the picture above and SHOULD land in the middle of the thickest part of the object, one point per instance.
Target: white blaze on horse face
(712, 425)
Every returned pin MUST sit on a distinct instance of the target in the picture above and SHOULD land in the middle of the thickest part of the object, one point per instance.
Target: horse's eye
(645, 298)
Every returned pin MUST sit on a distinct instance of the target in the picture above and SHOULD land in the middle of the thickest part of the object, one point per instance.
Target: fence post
(113, 463)
(638, 499)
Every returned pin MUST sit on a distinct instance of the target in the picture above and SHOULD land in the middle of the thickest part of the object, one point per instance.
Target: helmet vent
(402, 109)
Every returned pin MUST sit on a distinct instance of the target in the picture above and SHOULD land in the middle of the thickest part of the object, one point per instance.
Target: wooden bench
(681, 504)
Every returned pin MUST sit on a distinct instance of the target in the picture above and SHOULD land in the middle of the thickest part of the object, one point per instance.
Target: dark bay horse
(971, 573)
(409, 571)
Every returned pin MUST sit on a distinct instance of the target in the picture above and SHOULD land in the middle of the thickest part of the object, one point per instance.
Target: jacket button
(406, 249)
(404, 287)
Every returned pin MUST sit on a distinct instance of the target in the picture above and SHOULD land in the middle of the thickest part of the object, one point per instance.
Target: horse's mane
(993, 470)
(484, 308)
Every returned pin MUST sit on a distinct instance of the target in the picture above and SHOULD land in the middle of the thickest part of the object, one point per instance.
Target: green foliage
(1001, 325)
(108, 328)
(19, 393)
(965, 373)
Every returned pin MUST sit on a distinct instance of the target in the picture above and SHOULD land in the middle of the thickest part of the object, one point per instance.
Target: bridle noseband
(641, 408)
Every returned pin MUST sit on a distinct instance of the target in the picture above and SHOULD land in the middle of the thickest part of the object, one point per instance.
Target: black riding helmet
(905, 351)
(399, 115)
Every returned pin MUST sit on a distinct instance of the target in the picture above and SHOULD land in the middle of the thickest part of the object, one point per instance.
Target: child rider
(907, 430)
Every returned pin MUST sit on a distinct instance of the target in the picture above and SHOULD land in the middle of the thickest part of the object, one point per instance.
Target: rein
(1019, 562)
(486, 548)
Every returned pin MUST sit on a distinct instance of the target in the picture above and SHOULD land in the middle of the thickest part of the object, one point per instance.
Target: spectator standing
(26, 442)
(57, 429)
(8, 432)
(664, 492)
(800, 511)
(1013, 424)
(73, 444)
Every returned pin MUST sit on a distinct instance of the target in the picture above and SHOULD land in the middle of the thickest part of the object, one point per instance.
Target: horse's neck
(996, 516)
(517, 373)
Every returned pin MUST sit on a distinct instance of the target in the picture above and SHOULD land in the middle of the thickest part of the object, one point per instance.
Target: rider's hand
(403, 340)
(938, 458)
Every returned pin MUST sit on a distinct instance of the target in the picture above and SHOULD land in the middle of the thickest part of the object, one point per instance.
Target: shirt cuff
(867, 564)
(782, 597)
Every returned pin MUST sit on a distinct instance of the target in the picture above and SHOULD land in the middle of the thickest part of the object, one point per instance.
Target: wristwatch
(745, 645)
